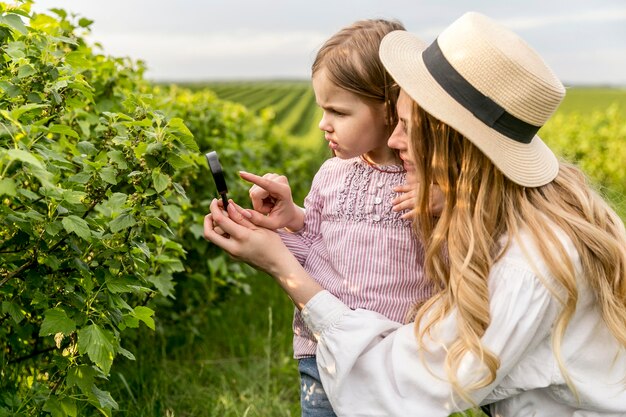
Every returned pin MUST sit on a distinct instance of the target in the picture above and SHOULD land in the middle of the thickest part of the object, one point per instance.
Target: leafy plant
(103, 190)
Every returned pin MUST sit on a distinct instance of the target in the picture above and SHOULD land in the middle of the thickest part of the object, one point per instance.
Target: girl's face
(351, 125)
(400, 138)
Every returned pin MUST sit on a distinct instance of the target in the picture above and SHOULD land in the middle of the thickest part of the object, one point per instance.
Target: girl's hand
(272, 202)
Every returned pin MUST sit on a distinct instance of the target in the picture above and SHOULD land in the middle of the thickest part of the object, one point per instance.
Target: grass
(586, 100)
(239, 363)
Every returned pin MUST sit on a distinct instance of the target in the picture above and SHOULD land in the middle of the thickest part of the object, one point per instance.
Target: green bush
(103, 190)
(597, 143)
(87, 165)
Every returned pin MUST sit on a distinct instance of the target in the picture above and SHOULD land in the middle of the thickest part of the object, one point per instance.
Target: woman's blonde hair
(481, 206)
(351, 60)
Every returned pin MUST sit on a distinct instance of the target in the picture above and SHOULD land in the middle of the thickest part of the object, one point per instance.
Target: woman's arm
(372, 366)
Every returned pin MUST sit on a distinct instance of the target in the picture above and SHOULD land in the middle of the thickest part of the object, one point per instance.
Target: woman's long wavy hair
(351, 58)
(481, 206)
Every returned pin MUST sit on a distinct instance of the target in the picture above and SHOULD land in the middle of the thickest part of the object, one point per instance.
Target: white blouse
(371, 366)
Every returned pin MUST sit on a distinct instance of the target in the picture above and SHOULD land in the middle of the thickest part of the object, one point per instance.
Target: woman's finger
(409, 215)
(227, 224)
(239, 215)
(404, 205)
(216, 238)
(404, 188)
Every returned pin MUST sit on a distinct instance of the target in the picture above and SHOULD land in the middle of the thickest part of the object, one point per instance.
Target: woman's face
(400, 138)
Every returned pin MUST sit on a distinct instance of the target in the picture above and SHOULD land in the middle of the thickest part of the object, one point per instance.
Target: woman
(529, 262)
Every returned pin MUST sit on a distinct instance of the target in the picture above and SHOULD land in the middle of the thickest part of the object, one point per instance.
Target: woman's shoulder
(532, 253)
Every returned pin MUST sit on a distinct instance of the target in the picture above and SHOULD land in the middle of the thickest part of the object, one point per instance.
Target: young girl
(530, 315)
(348, 237)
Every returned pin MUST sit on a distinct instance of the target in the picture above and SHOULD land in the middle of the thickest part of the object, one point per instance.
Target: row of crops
(291, 104)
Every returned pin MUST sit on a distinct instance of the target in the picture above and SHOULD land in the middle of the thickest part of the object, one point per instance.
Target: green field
(293, 102)
(589, 99)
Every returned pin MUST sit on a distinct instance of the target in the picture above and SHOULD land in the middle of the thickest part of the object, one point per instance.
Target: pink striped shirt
(355, 246)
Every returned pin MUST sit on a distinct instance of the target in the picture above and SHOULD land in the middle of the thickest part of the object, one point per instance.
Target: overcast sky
(584, 41)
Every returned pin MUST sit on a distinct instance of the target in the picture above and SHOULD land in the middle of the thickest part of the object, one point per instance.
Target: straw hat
(487, 83)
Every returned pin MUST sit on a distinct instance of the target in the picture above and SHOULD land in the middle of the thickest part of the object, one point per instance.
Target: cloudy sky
(584, 41)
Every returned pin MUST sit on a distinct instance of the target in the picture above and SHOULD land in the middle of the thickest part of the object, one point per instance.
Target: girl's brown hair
(351, 59)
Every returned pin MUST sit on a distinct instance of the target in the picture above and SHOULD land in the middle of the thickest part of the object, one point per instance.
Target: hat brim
(530, 165)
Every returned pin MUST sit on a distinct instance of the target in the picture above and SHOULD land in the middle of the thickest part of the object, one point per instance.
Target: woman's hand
(261, 248)
(245, 241)
(406, 200)
(272, 202)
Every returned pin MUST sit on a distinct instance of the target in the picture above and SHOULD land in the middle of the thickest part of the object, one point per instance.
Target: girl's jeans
(313, 399)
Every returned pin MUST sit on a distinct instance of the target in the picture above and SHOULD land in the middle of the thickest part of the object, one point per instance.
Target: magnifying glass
(218, 176)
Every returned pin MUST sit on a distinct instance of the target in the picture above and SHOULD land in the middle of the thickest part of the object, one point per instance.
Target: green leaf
(25, 71)
(121, 222)
(124, 285)
(161, 181)
(24, 156)
(174, 212)
(189, 143)
(15, 22)
(13, 310)
(127, 354)
(109, 174)
(177, 161)
(104, 398)
(77, 225)
(60, 406)
(77, 59)
(73, 197)
(98, 344)
(10, 90)
(87, 148)
(16, 50)
(81, 376)
(144, 314)
(18, 112)
(56, 321)
(7, 186)
(83, 22)
(64, 130)
(54, 407)
(164, 283)
(178, 125)
(80, 178)
(118, 158)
